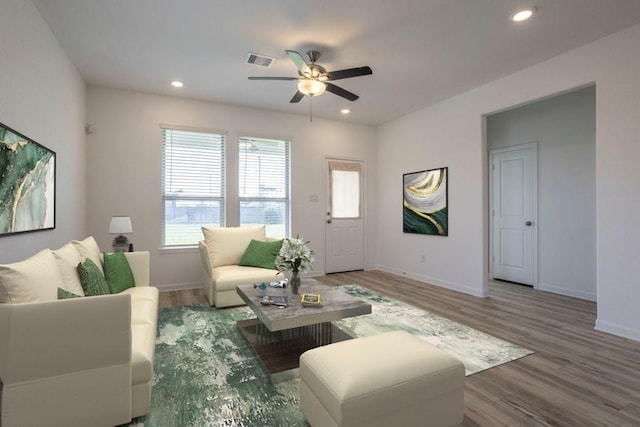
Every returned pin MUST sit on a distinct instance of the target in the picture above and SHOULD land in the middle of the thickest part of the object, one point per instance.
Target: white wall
(43, 97)
(124, 159)
(451, 133)
(564, 128)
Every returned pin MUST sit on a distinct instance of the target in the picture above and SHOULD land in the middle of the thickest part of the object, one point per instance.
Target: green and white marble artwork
(27, 184)
(207, 375)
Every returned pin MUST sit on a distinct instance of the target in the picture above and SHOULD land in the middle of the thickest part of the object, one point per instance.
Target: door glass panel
(345, 194)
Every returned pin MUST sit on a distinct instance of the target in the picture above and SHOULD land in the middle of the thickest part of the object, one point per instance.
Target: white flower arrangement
(294, 256)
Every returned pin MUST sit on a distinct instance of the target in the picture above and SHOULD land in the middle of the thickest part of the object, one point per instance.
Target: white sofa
(220, 253)
(76, 362)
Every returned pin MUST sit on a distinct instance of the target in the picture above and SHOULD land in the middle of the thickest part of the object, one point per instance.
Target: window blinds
(193, 184)
(264, 184)
(345, 189)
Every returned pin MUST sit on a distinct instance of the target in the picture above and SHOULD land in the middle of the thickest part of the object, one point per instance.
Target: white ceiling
(421, 51)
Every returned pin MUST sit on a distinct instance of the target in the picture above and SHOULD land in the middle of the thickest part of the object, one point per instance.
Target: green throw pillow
(91, 279)
(261, 254)
(117, 272)
(64, 294)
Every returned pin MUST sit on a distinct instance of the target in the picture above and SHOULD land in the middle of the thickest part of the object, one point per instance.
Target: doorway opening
(561, 229)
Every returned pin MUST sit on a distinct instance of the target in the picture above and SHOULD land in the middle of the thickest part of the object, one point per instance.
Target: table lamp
(120, 225)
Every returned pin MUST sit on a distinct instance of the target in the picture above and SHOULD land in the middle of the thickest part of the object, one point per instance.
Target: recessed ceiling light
(345, 111)
(524, 14)
(177, 83)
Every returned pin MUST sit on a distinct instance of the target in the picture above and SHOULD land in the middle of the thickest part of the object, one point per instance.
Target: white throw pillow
(68, 258)
(34, 279)
(227, 244)
(88, 248)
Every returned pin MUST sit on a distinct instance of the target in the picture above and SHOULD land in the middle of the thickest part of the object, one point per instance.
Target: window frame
(286, 200)
(222, 199)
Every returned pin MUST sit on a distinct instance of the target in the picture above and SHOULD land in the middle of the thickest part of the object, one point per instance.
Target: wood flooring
(577, 376)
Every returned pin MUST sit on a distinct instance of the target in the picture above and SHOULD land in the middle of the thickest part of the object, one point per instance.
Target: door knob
(528, 223)
(328, 221)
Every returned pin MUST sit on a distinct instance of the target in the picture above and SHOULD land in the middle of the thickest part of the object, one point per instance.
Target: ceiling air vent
(259, 60)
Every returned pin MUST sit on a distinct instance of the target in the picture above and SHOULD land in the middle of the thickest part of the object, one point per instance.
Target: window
(345, 189)
(193, 187)
(264, 184)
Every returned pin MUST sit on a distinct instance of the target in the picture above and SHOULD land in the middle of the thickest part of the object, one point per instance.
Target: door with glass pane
(345, 216)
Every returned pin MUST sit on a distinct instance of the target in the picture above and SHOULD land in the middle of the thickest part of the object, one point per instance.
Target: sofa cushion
(65, 294)
(68, 258)
(92, 280)
(117, 272)
(229, 276)
(143, 337)
(144, 304)
(227, 244)
(88, 248)
(261, 254)
(34, 279)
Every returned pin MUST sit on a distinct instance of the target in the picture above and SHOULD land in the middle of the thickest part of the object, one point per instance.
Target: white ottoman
(393, 379)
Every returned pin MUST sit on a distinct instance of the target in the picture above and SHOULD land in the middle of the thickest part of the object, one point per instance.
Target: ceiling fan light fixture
(524, 14)
(311, 87)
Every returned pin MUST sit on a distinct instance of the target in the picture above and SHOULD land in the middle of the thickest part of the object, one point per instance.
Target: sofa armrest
(53, 338)
(205, 258)
(139, 263)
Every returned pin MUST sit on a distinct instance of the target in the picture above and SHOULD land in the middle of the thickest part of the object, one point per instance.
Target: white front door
(514, 172)
(344, 232)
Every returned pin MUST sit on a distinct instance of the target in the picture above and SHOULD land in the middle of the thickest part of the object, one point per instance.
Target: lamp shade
(311, 87)
(120, 225)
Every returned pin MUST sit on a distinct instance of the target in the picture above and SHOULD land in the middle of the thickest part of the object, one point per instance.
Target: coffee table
(280, 335)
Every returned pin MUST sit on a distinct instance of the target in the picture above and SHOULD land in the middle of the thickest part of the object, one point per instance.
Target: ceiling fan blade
(337, 90)
(301, 64)
(349, 72)
(297, 97)
(273, 78)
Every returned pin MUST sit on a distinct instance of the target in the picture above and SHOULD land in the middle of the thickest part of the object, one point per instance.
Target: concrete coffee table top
(336, 304)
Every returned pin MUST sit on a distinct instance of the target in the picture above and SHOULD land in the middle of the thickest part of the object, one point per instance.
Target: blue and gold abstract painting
(425, 202)
(27, 184)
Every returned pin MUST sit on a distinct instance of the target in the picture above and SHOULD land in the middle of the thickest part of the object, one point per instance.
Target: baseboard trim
(178, 286)
(566, 292)
(437, 282)
(619, 330)
(313, 274)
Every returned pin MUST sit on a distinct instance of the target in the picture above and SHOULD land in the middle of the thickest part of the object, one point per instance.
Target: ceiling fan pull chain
(310, 108)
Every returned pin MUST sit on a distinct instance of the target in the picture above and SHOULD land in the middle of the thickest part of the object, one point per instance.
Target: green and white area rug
(207, 375)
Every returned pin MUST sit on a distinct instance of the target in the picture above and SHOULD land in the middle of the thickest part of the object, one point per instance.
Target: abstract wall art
(425, 202)
(27, 184)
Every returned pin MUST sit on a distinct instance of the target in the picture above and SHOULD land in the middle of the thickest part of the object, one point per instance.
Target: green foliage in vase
(294, 255)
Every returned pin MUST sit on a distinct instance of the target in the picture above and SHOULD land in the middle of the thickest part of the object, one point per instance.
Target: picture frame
(27, 184)
(425, 197)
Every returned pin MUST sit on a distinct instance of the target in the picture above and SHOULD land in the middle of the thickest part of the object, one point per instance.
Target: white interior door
(513, 211)
(344, 233)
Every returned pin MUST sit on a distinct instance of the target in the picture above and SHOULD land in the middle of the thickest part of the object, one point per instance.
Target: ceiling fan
(314, 79)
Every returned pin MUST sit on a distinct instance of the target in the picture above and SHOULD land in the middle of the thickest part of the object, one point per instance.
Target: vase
(294, 282)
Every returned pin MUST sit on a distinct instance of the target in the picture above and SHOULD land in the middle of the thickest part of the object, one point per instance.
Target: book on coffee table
(279, 300)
